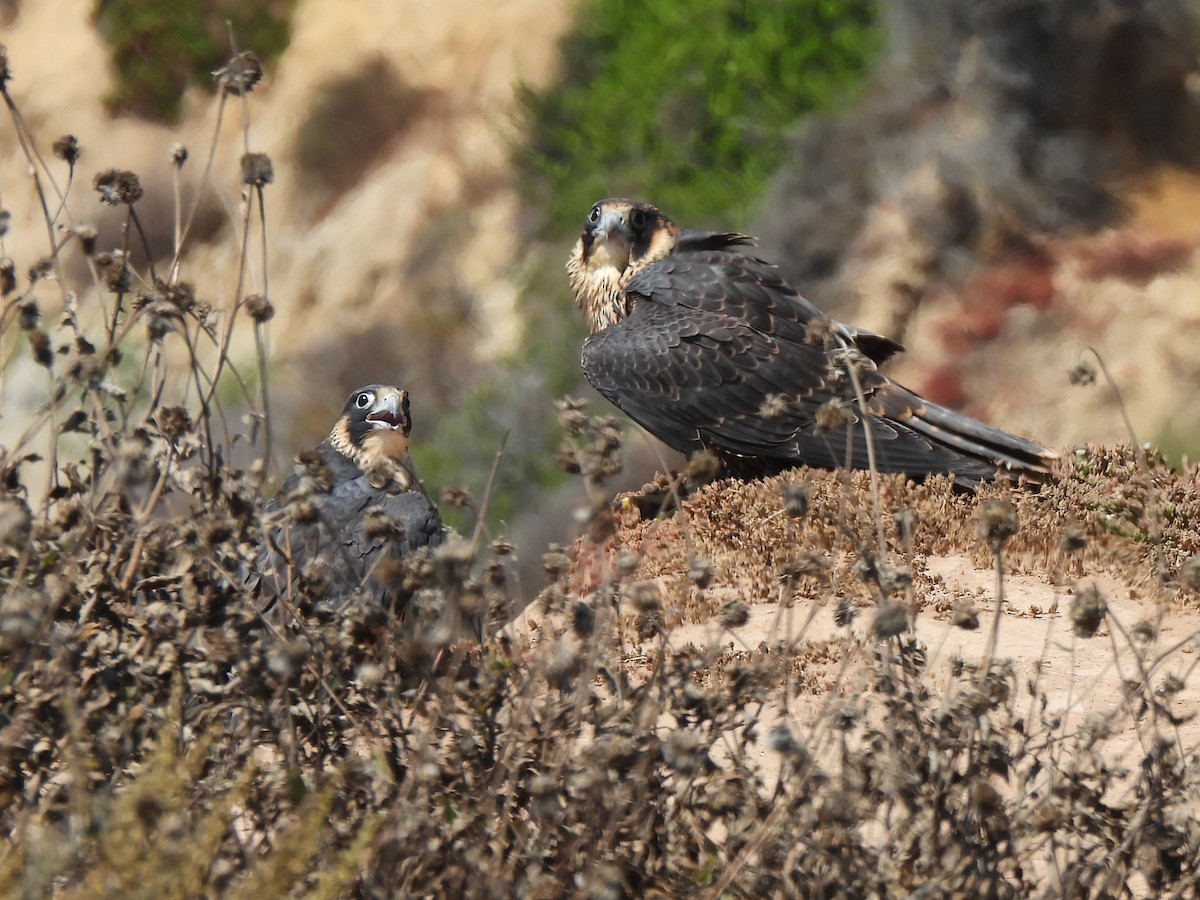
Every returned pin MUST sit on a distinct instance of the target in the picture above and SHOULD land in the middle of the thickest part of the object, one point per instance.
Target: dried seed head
(118, 186)
(796, 498)
(845, 612)
(571, 416)
(1189, 573)
(1171, 685)
(179, 155)
(684, 750)
(627, 563)
(286, 657)
(565, 665)
(378, 525)
(455, 496)
(733, 614)
(891, 619)
(649, 624)
(966, 616)
(303, 510)
(42, 268)
(87, 235)
(700, 572)
(809, 562)
(865, 567)
(28, 314)
(5, 71)
(583, 619)
(240, 74)
(257, 170)
(160, 319)
(892, 580)
(850, 360)
(997, 520)
(1073, 539)
(821, 332)
(702, 467)
(174, 422)
(781, 740)
(555, 562)
(8, 276)
(567, 460)
(43, 353)
(832, 415)
(15, 523)
(645, 596)
(67, 149)
(115, 271)
(1144, 631)
(259, 308)
(1082, 374)
(1087, 610)
(774, 406)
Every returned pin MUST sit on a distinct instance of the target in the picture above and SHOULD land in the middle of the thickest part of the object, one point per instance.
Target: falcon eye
(363, 400)
(594, 215)
(638, 219)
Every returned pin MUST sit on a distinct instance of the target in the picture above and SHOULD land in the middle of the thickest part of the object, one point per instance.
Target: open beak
(391, 411)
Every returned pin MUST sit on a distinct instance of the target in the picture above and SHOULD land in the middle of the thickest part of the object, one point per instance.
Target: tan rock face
(418, 253)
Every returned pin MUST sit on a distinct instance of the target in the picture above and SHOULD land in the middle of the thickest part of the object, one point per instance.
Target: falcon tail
(977, 442)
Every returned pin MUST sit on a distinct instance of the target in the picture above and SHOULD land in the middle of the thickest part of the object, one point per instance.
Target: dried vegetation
(160, 737)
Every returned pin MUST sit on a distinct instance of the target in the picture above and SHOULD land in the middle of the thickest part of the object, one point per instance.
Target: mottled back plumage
(707, 347)
(349, 509)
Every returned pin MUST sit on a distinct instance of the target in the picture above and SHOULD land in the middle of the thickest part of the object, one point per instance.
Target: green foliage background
(687, 103)
(159, 47)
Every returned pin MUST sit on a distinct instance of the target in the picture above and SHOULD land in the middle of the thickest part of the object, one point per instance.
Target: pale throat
(598, 289)
(379, 444)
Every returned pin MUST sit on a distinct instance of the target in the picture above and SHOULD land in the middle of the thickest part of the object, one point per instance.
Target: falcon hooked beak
(606, 238)
(390, 410)
(375, 424)
(619, 238)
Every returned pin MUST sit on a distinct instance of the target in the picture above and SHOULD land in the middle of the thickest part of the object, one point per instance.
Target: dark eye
(638, 219)
(594, 215)
(363, 400)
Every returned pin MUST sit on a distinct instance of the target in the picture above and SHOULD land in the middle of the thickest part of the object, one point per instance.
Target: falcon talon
(707, 347)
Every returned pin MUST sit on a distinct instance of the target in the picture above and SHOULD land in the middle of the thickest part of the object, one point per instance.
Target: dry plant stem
(989, 652)
(227, 331)
(135, 555)
(260, 344)
(489, 489)
(861, 399)
(32, 157)
(205, 180)
(52, 447)
(137, 224)
(1139, 453)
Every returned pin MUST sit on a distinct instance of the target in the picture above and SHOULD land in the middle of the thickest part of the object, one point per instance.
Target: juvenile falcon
(707, 347)
(349, 507)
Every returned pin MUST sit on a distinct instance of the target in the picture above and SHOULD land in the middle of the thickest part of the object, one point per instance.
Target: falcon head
(374, 425)
(619, 238)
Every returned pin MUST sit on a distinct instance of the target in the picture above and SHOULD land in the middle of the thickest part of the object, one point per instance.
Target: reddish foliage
(1134, 258)
(943, 385)
(1028, 280)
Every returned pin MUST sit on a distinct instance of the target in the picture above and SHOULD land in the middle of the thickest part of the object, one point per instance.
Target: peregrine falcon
(707, 347)
(350, 506)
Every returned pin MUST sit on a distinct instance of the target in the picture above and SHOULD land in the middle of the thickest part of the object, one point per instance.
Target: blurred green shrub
(159, 47)
(687, 102)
